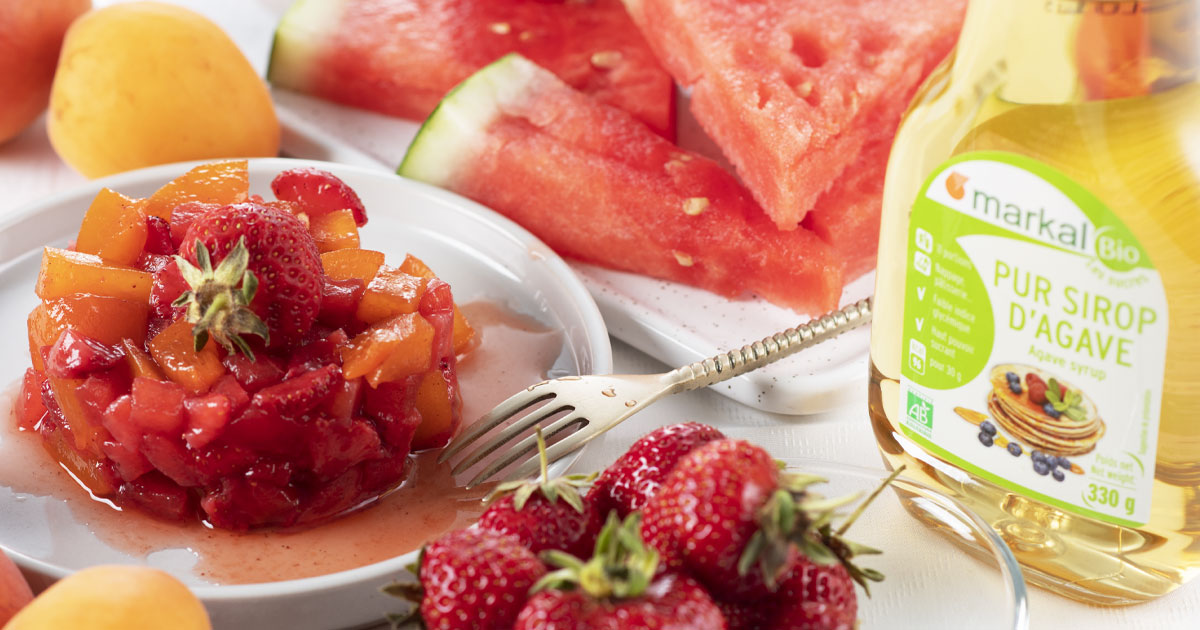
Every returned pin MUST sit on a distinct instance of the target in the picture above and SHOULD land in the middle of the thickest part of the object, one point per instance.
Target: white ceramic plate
(483, 255)
(671, 322)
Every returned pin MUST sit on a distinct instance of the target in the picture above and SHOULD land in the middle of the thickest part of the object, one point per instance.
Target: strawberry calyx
(411, 592)
(622, 567)
(218, 300)
(565, 488)
(845, 550)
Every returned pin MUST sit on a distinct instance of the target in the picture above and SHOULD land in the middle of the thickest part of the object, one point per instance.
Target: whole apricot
(14, 590)
(149, 83)
(31, 34)
(114, 597)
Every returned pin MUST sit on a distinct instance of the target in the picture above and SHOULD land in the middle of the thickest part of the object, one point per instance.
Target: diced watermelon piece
(157, 406)
(597, 186)
(206, 418)
(400, 57)
(792, 90)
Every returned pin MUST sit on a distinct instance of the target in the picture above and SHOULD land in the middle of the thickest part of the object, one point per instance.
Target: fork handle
(769, 350)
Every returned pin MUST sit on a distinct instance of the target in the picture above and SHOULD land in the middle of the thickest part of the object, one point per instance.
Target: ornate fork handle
(769, 350)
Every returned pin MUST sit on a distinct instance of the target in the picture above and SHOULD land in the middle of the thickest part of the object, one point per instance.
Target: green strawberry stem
(565, 488)
(218, 301)
(621, 567)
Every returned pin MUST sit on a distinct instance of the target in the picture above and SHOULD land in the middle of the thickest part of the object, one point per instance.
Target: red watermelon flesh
(597, 186)
(792, 90)
(847, 215)
(400, 57)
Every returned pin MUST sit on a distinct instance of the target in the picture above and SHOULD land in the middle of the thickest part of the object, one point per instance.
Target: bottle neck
(1064, 51)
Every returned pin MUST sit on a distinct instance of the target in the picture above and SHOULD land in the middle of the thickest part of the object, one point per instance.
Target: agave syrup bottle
(1036, 342)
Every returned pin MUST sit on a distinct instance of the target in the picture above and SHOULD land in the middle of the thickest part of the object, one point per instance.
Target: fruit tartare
(206, 353)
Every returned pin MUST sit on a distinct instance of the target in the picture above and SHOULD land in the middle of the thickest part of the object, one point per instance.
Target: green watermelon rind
(302, 30)
(445, 140)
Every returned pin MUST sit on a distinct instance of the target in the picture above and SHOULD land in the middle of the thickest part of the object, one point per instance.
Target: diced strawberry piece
(392, 406)
(157, 406)
(29, 406)
(228, 387)
(268, 471)
(156, 494)
(167, 287)
(298, 395)
(318, 192)
(172, 459)
(241, 504)
(76, 355)
(152, 263)
(346, 400)
(317, 354)
(158, 236)
(221, 460)
(332, 498)
(339, 301)
(264, 371)
(183, 216)
(334, 446)
(130, 463)
(206, 419)
(380, 475)
(265, 431)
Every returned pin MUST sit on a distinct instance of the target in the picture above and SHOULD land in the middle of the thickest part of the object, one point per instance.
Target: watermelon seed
(693, 206)
(804, 89)
(683, 259)
(606, 59)
(500, 28)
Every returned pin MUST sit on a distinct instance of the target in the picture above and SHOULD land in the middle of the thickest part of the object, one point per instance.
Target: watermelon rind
(446, 139)
(302, 30)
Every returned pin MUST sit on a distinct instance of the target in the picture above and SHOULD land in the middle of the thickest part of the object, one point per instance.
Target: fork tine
(490, 420)
(509, 432)
(525, 446)
(559, 450)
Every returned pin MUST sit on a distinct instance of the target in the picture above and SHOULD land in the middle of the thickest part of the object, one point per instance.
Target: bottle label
(1035, 336)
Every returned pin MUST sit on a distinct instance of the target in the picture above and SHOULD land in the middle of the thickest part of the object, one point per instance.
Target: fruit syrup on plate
(155, 399)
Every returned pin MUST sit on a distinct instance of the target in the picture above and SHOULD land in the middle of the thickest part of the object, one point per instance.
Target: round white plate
(483, 255)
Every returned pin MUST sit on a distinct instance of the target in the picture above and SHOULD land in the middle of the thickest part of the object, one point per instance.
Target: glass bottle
(1041, 220)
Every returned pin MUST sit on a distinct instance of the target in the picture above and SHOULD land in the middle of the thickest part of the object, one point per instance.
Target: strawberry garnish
(544, 513)
(470, 579)
(281, 258)
(318, 192)
(629, 482)
(218, 302)
(617, 588)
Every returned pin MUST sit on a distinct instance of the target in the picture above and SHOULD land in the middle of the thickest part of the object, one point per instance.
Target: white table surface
(30, 170)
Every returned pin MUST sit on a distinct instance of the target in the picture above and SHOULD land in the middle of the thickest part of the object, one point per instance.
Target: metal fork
(598, 403)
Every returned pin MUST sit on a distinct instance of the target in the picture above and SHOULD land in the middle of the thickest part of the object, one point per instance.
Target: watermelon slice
(400, 57)
(792, 90)
(597, 186)
(847, 215)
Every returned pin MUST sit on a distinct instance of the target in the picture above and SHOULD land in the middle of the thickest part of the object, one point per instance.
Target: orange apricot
(108, 320)
(218, 182)
(390, 350)
(391, 292)
(438, 411)
(66, 273)
(174, 351)
(347, 264)
(334, 230)
(113, 229)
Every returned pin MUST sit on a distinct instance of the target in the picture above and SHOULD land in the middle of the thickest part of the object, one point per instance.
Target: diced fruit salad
(687, 529)
(206, 353)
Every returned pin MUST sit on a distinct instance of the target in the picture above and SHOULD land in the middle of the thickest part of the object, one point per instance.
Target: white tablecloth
(29, 170)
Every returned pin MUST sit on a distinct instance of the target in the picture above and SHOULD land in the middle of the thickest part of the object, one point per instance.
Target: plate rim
(570, 282)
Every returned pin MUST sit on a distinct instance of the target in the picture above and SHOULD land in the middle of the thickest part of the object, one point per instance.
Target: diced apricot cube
(218, 182)
(334, 230)
(437, 406)
(113, 229)
(87, 469)
(463, 333)
(405, 342)
(108, 320)
(140, 363)
(414, 266)
(66, 273)
(392, 292)
(89, 436)
(174, 351)
(352, 264)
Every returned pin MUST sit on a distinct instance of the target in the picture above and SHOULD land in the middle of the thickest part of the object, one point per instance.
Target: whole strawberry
(472, 579)
(545, 514)
(617, 588)
(629, 482)
(277, 280)
(755, 615)
(816, 597)
(727, 516)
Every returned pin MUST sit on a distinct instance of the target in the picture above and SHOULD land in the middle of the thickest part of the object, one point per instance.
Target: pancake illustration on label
(1042, 411)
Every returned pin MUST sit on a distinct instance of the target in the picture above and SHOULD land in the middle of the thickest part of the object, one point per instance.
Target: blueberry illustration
(1014, 448)
(1058, 475)
(985, 439)
(1050, 410)
(1012, 377)
(1063, 462)
(987, 427)
(1038, 456)
(1014, 387)
(1040, 467)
